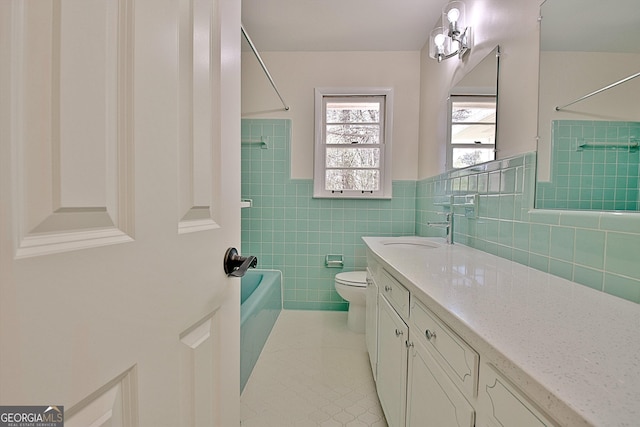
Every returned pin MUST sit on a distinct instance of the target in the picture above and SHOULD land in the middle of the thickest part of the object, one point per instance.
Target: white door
(119, 194)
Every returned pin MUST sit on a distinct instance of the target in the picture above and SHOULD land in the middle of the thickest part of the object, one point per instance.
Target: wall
(563, 80)
(513, 25)
(599, 250)
(297, 74)
(593, 248)
(288, 230)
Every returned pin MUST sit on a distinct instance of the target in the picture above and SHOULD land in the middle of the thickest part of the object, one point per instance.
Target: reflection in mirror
(589, 113)
(472, 112)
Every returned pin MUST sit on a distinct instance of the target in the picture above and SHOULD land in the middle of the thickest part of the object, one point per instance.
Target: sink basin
(411, 243)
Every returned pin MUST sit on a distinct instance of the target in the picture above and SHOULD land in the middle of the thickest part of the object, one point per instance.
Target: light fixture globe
(454, 17)
(439, 43)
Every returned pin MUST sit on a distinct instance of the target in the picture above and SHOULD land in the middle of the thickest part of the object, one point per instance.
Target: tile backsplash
(596, 249)
(289, 230)
(594, 165)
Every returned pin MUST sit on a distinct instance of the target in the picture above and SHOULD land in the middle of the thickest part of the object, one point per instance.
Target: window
(353, 143)
(472, 130)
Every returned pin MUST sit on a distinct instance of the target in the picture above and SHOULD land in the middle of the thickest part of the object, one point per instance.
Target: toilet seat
(352, 278)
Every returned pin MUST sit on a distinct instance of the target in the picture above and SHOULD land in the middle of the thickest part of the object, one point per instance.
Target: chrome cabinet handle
(408, 344)
(388, 288)
(398, 332)
(430, 334)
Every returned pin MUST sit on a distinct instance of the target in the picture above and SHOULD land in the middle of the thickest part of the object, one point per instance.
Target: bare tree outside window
(352, 142)
(352, 135)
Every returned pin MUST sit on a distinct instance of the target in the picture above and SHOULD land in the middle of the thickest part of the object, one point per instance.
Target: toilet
(352, 286)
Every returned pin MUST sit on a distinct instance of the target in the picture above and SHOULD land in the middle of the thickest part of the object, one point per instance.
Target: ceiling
(397, 25)
(340, 25)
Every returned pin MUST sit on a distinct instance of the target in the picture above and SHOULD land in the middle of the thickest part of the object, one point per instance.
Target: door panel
(70, 133)
(115, 404)
(113, 224)
(199, 58)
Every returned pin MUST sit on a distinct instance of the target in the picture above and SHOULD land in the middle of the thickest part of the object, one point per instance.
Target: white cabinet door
(500, 403)
(392, 363)
(458, 359)
(119, 194)
(432, 399)
(371, 322)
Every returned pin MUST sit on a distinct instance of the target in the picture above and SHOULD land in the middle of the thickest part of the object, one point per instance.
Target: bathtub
(261, 303)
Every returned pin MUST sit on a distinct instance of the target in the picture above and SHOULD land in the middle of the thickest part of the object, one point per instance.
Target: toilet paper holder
(334, 261)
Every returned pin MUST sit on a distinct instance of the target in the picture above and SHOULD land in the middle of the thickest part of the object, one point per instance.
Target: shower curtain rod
(626, 79)
(264, 67)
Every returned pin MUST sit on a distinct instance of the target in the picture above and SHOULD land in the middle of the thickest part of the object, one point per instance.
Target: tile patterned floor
(313, 371)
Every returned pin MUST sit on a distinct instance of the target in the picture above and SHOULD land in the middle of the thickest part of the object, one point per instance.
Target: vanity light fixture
(453, 37)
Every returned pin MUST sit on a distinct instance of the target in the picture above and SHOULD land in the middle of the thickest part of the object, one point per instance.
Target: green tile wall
(597, 249)
(289, 230)
(592, 178)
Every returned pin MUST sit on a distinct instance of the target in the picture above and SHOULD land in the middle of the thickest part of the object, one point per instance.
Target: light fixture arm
(441, 56)
(463, 39)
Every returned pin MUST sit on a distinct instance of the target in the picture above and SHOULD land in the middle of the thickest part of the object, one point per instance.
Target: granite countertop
(572, 350)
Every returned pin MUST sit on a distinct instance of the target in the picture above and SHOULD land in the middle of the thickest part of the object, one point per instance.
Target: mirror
(589, 105)
(472, 114)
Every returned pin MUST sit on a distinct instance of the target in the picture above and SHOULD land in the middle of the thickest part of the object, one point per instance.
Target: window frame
(319, 175)
(450, 145)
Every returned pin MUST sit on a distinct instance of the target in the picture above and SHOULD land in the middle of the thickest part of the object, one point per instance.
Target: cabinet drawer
(501, 404)
(396, 294)
(456, 357)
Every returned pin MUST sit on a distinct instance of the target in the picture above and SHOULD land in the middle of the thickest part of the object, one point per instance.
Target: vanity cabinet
(391, 382)
(442, 370)
(477, 332)
(413, 387)
(395, 293)
(456, 358)
(426, 374)
(500, 403)
(432, 398)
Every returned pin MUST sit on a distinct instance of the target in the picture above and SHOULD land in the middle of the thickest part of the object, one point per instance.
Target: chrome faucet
(447, 224)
